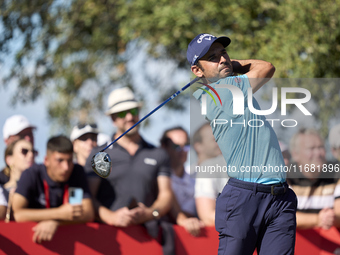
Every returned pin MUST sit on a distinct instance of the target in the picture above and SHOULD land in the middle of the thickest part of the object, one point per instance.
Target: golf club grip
(159, 106)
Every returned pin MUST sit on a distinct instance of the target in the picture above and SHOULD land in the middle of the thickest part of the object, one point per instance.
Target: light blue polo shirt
(247, 141)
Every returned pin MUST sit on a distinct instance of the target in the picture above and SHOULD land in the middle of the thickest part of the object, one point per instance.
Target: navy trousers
(251, 215)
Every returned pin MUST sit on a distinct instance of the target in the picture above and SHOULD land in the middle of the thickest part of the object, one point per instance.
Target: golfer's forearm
(245, 66)
(22, 215)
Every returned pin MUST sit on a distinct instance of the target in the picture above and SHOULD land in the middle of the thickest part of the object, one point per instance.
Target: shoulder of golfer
(258, 71)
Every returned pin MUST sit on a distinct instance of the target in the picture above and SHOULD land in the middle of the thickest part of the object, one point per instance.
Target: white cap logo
(209, 36)
(194, 59)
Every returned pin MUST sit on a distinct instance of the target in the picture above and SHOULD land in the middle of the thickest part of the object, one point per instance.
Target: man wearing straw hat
(138, 189)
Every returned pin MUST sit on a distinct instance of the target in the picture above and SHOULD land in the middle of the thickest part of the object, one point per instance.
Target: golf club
(101, 161)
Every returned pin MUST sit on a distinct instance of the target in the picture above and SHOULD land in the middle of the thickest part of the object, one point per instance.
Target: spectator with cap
(334, 142)
(138, 190)
(317, 190)
(84, 139)
(43, 191)
(16, 127)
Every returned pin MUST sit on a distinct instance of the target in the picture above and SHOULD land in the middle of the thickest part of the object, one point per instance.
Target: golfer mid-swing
(256, 209)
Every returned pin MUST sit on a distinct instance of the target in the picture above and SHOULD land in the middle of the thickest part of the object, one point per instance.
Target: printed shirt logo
(213, 90)
(42, 200)
(150, 161)
(209, 36)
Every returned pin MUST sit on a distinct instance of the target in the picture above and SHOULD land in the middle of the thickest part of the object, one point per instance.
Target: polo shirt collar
(142, 143)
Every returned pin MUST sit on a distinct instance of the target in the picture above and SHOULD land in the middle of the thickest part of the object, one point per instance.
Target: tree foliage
(74, 51)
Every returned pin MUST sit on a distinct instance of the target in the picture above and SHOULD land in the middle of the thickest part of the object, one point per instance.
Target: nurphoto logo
(239, 104)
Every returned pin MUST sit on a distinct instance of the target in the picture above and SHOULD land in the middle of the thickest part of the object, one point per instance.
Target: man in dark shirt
(138, 189)
(43, 191)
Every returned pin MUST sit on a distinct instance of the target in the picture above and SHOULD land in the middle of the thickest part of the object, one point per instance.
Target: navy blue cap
(201, 44)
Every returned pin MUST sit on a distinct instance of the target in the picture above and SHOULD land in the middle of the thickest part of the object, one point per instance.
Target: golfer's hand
(192, 225)
(44, 230)
(326, 218)
(141, 214)
(70, 212)
(121, 218)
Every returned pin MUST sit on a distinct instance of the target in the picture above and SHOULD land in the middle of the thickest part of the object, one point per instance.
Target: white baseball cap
(334, 136)
(121, 100)
(82, 129)
(14, 125)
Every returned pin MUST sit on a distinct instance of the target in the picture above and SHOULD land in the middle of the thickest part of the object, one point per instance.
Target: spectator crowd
(148, 185)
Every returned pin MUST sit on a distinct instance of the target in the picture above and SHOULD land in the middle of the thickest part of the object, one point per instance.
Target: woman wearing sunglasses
(19, 156)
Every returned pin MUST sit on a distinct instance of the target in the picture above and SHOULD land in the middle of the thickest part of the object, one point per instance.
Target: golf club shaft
(146, 116)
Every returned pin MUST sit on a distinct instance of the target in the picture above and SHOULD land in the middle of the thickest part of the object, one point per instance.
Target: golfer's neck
(130, 143)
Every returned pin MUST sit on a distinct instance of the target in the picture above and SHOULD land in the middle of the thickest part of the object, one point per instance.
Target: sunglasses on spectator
(85, 137)
(25, 152)
(82, 125)
(134, 112)
(179, 148)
